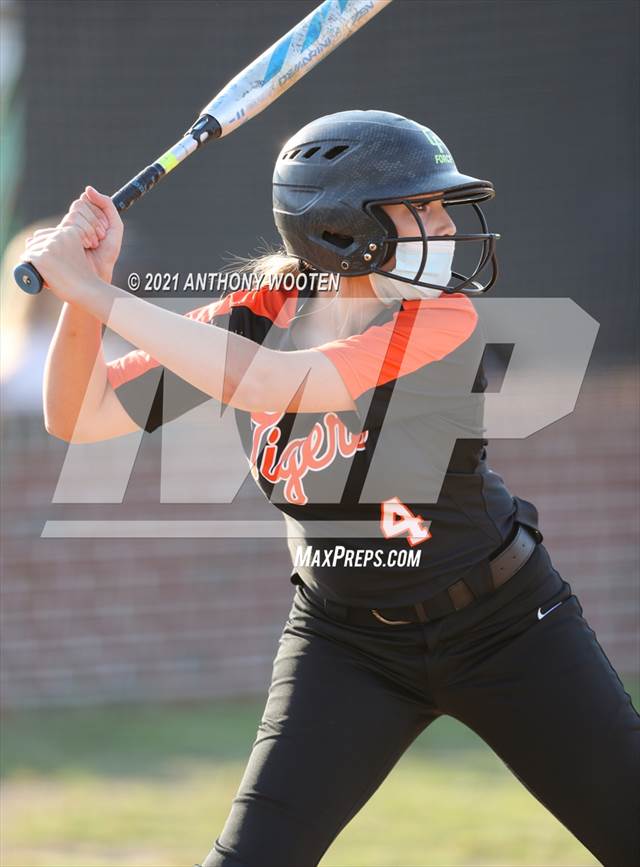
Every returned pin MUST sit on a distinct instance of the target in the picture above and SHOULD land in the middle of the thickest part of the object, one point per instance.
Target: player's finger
(89, 236)
(97, 214)
(93, 219)
(36, 246)
(105, 204)
(95, 210)
(39, 233)
(92, 214)
(81, 217)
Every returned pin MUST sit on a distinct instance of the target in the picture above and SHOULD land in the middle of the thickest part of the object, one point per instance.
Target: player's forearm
(75, 374)
(211, 359)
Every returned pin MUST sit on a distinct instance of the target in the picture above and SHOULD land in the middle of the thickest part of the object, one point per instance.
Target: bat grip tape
(137, 187)
(205, 129)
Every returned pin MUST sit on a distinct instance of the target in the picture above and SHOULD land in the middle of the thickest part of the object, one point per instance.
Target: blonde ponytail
(268, 266)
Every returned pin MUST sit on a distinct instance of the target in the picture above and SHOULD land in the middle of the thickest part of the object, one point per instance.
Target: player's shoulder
(455, 310)
(412, 338)
(430, 329)
(427, 325)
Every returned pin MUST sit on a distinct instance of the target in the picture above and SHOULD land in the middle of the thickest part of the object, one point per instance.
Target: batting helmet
(333, 175)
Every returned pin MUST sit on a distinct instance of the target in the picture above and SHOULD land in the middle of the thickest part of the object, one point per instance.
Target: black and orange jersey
(404, 472)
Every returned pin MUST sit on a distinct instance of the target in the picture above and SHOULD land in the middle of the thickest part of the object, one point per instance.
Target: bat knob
(28, 278)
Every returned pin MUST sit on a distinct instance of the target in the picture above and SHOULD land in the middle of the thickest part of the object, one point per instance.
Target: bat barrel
(288, 59)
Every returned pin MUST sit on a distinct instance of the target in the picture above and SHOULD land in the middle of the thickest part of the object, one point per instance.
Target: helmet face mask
(334, 176)
(464, 282)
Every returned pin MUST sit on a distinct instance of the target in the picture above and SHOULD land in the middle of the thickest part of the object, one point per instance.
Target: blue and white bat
(251, 91)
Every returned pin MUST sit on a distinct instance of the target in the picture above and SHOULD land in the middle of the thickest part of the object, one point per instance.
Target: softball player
(451, 605)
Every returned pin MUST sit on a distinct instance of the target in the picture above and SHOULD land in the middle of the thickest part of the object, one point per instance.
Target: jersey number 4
(397, 519)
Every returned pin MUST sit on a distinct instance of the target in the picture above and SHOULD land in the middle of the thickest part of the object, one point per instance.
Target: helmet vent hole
(335, 151)
(340, 241)
(293, 154)
(310, 152)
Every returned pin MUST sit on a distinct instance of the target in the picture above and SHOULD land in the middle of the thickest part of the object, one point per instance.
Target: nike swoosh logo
(542, 613)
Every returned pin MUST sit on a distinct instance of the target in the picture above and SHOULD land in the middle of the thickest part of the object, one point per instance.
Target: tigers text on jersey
(405, 472)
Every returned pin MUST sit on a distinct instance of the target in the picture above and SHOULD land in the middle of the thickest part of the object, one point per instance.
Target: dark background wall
(539, 96)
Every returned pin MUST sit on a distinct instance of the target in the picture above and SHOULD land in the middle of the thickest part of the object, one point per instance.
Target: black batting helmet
(333, 175)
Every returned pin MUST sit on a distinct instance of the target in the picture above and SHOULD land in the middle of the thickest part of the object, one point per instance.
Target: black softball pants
(346, 701)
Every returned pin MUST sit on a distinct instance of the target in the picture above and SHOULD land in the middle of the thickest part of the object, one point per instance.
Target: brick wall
(106, 620)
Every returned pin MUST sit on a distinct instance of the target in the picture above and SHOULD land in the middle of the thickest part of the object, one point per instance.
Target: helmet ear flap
(390, 231)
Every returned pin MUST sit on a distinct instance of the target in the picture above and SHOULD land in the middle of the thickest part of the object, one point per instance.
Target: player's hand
(96, 216)
(63, 261)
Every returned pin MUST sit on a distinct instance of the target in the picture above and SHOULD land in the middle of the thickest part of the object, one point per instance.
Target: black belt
(502, 567)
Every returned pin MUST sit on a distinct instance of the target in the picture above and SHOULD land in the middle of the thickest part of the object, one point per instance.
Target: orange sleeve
(420, 333)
